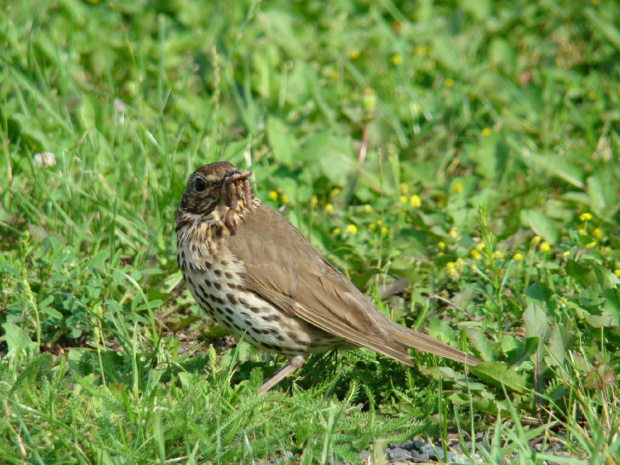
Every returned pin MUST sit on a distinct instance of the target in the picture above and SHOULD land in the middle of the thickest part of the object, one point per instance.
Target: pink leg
(293, 364)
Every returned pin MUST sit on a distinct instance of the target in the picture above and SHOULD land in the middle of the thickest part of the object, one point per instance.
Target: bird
(259, 278)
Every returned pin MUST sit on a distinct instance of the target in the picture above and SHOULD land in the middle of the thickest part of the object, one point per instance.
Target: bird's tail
(423, 342)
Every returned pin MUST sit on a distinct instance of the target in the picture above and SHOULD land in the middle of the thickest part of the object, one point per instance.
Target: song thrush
(257, 276)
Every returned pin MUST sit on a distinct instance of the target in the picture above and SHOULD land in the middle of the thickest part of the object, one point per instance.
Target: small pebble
(398, 453)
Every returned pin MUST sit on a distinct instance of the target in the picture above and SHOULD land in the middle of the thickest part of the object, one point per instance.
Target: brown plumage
(258, 276)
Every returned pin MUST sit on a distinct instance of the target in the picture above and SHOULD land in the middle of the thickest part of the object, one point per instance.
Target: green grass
(489, 139)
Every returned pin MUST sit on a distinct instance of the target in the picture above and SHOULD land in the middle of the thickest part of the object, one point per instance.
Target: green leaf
(151, 271)
(559, 342)
(440, 330)
(235, 150)
(502, 55)
(87, 113)
(539, 292)
(603, 195)
(601, 321)
(499, 374)
(541, 225)
(580, 273)
(480, 9)
(612, 301)
(599, 377)
(443, 50)
(605, 28)
(536, 324)
(44, 305)
(519, 355)
(16, 339)
(153, 294)
(559, 167)
(477, 339)
(99, 258)
(283, 144)
(334, 155)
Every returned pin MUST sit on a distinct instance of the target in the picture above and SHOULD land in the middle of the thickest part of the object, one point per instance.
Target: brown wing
(284, 268)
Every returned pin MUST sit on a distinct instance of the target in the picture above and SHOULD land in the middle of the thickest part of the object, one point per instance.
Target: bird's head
(217, 190)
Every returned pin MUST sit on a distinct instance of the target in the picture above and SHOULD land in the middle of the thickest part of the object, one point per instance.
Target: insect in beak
(229, 194)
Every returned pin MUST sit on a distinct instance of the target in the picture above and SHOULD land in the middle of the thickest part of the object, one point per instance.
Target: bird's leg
(229, 192)
(293, 364)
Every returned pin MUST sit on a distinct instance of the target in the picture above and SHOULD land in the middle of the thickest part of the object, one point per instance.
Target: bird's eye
(200, 185)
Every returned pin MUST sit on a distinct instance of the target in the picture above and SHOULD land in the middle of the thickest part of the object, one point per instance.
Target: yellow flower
(336, 231)
(517, 256)
(458, 187)
(334, 192)
(417, 109)
(284, 198)
(452, 269)
(545, 247)
(414, 201)
(460, 263)
(441, 245)
(384, 230)
(591, 245)
(582, 231)
(591, 95)
(273, 196)
(379, 222)
(372, 227)
(314, 201)
(355, 54)
(404, 188)
(535, 240)
(420, 50)
(453, 233)
(480, 246)
(617, 273)
(403, 199)
(566, 254)
(498, 255)
(449, 82)
(351, 229)
(329, 209)
(597, 233)
(486, 132)
(475, 254)
(396, 60)
(367, 209)
(585, 217)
